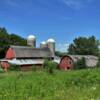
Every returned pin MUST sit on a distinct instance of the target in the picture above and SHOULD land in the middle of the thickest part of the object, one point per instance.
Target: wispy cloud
(77, 4)
(62, 47)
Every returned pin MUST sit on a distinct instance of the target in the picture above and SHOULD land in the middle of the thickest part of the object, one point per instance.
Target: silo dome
(31, 40)
(31, 37)
(43, 44)
(51, 40)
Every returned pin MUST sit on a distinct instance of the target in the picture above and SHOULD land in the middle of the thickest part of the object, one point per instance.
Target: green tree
(58, 53)
(84, 46)
(7, 39)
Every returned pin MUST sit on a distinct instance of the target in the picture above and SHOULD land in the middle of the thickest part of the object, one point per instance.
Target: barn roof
(76, 57)
(29, 52)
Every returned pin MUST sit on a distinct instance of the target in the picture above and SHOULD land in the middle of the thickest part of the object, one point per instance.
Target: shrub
(80, 64)
(14, 68)
(50, 66)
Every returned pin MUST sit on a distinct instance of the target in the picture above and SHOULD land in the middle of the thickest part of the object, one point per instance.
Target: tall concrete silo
(51, 46)
(43, 44)
(31, 41)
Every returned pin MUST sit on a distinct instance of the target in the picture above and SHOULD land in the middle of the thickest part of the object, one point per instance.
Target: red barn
(26, 57)
(66, 63)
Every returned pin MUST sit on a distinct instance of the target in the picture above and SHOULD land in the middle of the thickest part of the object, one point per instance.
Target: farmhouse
(28, 56)
(67, 62)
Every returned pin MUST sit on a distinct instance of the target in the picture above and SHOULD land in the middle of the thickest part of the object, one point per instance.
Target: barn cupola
(31, 41)
(43, 44)
(51, 46)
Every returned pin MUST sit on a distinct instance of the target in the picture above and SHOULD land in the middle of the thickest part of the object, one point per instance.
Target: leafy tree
(7, 39)
(17, 40)
(84, 46)
(58, 53)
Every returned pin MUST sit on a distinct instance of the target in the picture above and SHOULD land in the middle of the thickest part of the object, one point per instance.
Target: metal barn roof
(24, 61)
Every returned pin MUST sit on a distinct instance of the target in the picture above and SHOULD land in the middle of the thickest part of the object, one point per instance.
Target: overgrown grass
(70, 85)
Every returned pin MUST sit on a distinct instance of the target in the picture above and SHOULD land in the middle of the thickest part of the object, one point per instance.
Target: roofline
(13, 46)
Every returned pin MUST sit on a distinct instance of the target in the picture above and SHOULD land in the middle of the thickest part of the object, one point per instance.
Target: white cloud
(77, 4)
(62, 47)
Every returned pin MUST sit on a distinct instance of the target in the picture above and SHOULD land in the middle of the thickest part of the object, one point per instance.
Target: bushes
(50, 66)
(80, 64)
(14, 68)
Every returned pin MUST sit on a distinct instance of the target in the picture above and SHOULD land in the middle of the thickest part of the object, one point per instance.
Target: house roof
(29, 52)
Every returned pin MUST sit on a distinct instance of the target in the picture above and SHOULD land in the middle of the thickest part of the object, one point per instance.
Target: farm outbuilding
(67, 62)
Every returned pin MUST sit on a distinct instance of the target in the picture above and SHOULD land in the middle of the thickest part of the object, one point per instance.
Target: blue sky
(62, 20)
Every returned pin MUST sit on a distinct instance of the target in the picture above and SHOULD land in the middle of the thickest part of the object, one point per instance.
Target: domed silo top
(43, 44)
(31, 40)
(51, 40)
(31, 37)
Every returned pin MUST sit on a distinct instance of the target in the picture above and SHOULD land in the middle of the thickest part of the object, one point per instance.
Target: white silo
(31, 41)
(51, 46)
(43, 44)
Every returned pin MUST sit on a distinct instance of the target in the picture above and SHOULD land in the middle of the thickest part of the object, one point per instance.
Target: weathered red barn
(66, 63)
(26, 57)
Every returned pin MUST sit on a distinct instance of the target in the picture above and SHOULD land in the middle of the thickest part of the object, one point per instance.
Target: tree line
(84, 46)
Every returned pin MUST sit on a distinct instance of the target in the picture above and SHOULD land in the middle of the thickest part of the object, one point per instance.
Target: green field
(40, 85)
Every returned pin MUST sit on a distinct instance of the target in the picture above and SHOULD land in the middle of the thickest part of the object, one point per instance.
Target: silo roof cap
(31, 37)
(51, 40)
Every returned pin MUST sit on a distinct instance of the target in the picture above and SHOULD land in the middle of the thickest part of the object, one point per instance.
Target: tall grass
(70, 85)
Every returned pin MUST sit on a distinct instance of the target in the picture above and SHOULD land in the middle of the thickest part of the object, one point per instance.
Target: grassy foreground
(70, 85)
